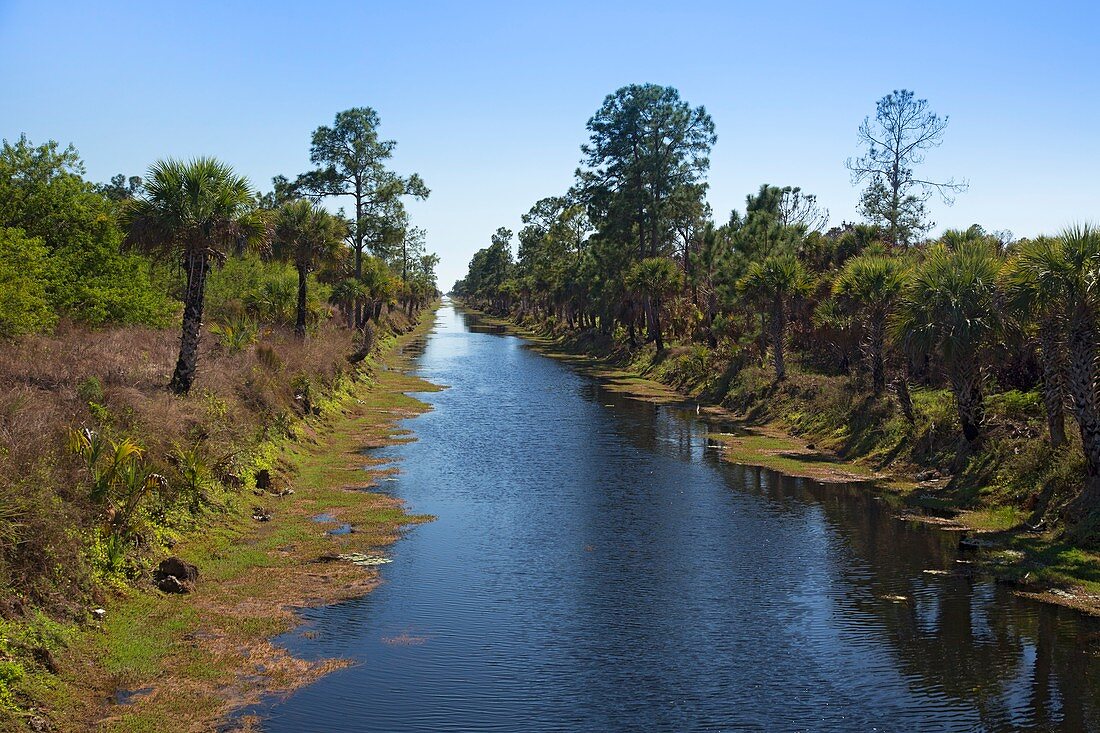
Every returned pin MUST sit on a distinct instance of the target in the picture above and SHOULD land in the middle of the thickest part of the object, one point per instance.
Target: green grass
(995, 518)
(1054, 562)
(788, 455)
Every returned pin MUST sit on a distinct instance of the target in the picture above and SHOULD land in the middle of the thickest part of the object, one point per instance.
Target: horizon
(489, 102)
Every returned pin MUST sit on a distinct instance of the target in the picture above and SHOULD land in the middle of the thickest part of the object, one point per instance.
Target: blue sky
(488, 101)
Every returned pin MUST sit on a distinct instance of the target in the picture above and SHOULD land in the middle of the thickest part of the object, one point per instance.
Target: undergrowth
(103, 472)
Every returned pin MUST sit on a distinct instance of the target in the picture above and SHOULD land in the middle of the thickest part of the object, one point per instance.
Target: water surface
(595, 567)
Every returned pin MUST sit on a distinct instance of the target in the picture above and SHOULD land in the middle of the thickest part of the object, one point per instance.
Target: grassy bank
(156, 661)
(1005, 495)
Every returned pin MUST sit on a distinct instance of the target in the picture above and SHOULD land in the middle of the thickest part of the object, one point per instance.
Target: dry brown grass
(195, 659)
(114, 380)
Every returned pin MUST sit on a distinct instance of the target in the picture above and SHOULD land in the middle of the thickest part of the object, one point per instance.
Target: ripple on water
(596, 568)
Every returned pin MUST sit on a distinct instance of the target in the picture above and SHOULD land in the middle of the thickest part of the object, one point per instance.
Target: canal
(596, 567)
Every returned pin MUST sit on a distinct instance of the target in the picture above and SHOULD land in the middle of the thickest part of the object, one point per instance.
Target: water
(594, 567)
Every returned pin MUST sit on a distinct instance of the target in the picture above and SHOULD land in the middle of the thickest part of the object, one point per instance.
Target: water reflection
(595, 567)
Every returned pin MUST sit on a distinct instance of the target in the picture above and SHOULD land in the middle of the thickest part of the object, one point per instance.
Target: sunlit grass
(995, 518)
(203, 652)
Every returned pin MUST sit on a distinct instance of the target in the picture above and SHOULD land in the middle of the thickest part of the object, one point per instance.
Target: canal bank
(159, 662)
(595, 565)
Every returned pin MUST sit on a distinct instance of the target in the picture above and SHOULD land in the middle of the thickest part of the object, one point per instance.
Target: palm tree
(773, 283)
(654, 279)
(1035, 282)
(1063, 276)
(345, 294)
(949, 308)
(194, 212)
(1079, 274)
(379, 285)
(306, 235)
(955, 238)
(873, 282)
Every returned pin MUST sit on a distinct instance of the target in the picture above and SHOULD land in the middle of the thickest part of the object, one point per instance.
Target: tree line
(129, 250)
(633, 254)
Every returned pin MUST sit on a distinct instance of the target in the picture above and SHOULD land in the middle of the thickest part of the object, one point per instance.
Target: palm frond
(196, 205)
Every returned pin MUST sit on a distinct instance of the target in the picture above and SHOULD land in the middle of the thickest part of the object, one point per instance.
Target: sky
(488, 100)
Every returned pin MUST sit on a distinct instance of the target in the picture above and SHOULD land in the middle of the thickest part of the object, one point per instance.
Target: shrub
(24, 270)
(90, 390)
(264, 291)
(236, 333)
(94, 283)
(691, 368)
(88, 278)
(1016, 405)
(10, 673)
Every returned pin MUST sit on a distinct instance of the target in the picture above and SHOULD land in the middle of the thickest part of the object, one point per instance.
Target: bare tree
(801, 209)
(896, 140)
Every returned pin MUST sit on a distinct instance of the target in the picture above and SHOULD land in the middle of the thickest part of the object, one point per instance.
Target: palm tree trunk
(647, 314)
(300, 322)
(966, 383)
(712, 307)
(655, 306)
(366, 343)
(1054, 382)
(905, 400)
(876, 345)
(198, 264)
(361, 313)
(1082, 389)
(777, 327)
(763, 345)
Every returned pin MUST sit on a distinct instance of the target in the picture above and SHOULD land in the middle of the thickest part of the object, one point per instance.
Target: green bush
(936, 406)
(109, 558)
(93, 282)
(24, 270)
(236, 333)
(265, 291)
(21, 643)
(90, 390)
(10, 674)
(1016, 405)
(691, 369)
(88, 278)
(753, 384)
